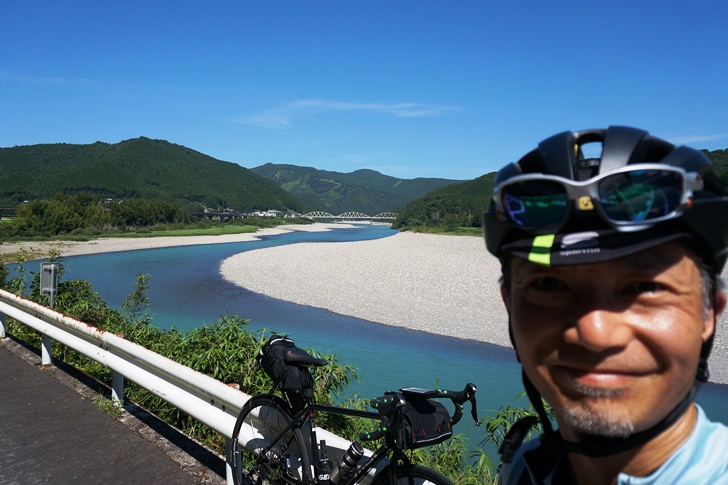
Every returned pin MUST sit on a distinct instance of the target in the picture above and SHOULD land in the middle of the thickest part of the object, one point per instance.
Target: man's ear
(718, 307)
(504, 297)
(720, 301)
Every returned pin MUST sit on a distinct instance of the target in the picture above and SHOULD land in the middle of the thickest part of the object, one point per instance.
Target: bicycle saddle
(296, 356)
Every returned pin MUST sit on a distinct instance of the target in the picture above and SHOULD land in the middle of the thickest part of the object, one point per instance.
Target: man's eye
(640, 287)
(547, 284)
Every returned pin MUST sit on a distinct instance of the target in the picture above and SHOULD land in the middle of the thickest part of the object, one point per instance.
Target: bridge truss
(352, 216)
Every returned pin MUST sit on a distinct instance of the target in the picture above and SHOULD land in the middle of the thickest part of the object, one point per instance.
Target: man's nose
(599, 329)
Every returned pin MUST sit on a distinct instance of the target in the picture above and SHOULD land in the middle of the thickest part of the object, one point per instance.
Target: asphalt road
(49, 433)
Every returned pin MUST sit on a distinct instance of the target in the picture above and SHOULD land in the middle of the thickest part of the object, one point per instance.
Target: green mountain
(136, 168)
(366, 191)
(720, 165)
(461, 205)
(456, 205)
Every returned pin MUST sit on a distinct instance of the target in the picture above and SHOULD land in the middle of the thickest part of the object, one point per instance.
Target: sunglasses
(630, 198)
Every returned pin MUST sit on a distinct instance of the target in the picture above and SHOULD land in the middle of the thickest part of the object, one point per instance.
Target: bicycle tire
(260, 421)
(412, 475)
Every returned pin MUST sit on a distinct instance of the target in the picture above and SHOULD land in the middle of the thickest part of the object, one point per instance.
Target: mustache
(575, 357)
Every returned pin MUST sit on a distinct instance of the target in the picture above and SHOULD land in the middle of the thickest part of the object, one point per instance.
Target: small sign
(586, 204)
(48, 278)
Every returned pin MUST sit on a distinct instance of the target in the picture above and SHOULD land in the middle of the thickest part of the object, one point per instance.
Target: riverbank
(41, 249)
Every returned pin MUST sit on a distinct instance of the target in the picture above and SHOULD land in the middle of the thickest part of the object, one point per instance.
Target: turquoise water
(187, 290)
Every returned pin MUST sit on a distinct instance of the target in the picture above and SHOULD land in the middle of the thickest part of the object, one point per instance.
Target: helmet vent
(588, 159)
(591, 150)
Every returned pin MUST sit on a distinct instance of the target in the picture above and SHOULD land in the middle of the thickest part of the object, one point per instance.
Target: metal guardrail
(206, 399)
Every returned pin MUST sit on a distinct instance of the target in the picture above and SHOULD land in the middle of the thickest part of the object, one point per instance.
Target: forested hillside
(457, 205)
(133, 169)
(143, 168)
(720, 164)
(365, 191)
(461, 205)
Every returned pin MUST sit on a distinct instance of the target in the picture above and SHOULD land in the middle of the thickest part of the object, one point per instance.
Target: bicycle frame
(371, 462)
(308, 414)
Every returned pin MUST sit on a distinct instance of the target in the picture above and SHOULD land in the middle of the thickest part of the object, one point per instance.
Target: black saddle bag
(295, 382)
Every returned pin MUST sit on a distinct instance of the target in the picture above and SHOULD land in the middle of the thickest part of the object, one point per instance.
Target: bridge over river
(351, 216)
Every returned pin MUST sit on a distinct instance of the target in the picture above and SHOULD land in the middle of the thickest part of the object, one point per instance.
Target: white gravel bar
(439, 284)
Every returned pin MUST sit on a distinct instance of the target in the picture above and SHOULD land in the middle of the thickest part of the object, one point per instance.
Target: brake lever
(474, 412)
(470, 389)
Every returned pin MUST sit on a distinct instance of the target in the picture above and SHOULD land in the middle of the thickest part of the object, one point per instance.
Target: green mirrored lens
(640, 195)
(535, 203)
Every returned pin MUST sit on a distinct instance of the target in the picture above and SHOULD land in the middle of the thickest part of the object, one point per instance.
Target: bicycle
(272, 432)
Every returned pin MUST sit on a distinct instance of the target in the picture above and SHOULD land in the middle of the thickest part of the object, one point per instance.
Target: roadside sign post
(48, 286)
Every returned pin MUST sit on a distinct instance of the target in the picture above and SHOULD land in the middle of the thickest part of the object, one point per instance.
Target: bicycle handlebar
(459, 398)
(388, 404)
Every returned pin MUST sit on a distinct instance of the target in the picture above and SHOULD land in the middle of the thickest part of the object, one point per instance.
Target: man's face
(614, 346)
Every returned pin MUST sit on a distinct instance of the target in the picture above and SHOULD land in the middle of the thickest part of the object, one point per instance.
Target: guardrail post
(46, 356)
(117, 388)
(229, 461)
(2, 325)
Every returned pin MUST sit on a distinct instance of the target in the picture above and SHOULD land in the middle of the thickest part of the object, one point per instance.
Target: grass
(27, 255)
(448, 231)
(220, 230)
(108, 405)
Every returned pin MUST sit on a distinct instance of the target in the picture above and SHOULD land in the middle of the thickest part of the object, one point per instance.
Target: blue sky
(412, 88)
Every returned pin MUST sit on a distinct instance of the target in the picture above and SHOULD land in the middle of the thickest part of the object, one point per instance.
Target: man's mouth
(601, 378)
(580, 378)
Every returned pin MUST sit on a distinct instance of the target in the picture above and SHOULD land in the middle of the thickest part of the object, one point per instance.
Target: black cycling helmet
(704, 216)
(557, 207)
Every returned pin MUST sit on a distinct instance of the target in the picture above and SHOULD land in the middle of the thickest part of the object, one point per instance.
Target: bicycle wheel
(256, 457)
(412, 475)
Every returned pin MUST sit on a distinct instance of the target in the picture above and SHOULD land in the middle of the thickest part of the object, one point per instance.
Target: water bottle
(347, 464)
(323, 471)
(324, 466)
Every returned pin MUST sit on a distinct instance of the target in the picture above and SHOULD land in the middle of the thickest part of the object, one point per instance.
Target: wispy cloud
(696, 139)
(283, 116)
